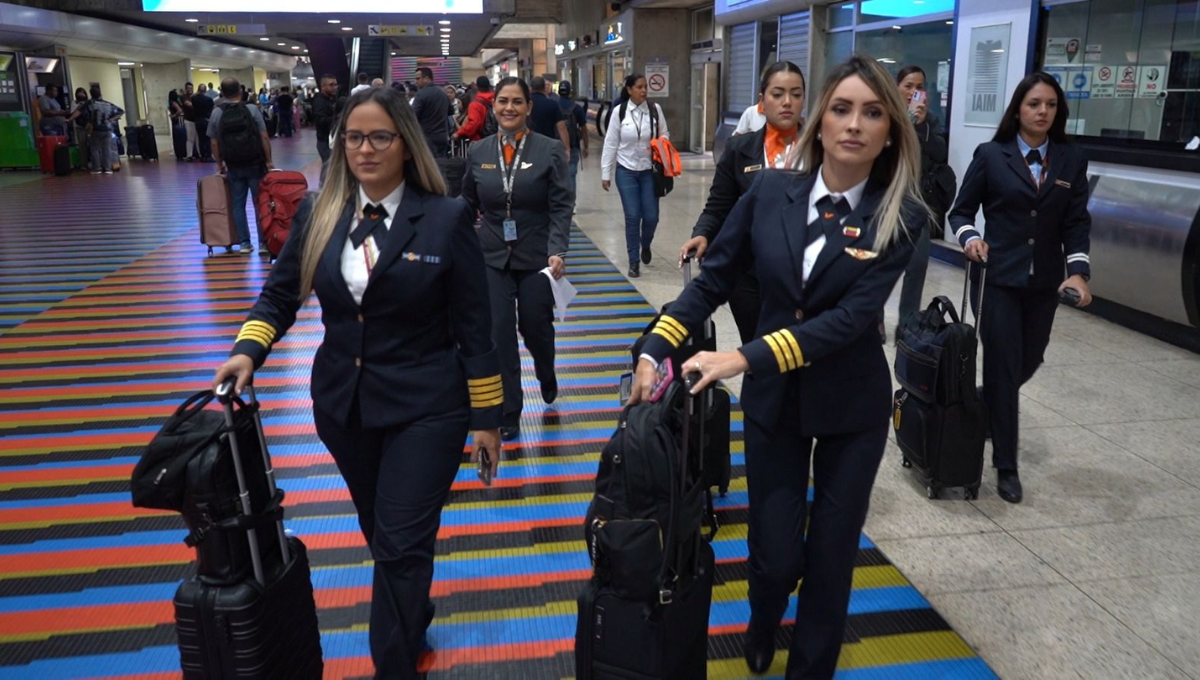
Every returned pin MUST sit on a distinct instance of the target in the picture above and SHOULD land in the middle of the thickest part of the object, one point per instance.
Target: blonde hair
(898, 165)
(341, 186)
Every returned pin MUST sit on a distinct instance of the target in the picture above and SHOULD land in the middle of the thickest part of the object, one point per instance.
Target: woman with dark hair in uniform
(407, 366)
(1033, 186)
(828, 247)
(782, 95)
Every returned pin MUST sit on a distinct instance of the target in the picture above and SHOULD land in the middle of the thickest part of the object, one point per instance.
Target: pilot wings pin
(860, 254)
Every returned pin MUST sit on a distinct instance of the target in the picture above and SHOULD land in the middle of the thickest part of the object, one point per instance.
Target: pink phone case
(664, 380)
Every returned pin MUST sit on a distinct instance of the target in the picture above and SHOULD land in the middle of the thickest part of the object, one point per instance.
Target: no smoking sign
(658, 80)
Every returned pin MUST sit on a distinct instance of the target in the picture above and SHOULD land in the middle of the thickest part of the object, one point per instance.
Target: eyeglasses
(381, 140)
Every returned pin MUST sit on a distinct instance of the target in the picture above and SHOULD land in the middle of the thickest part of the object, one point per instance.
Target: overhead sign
(375, 7)
(231, 29)
(658, 80)
(1151, 81)
(614, 34)
(400, 31)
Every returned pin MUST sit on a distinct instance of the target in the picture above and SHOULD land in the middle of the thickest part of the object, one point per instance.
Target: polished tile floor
(1097, 573)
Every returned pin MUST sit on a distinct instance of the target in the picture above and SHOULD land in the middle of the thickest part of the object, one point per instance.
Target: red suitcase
(213, 201)
(279, 194)
(46, 145)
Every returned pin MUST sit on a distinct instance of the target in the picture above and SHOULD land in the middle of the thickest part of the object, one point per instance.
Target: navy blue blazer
(421, 342)
(817, 356)
(740, 164)
(1027, 228)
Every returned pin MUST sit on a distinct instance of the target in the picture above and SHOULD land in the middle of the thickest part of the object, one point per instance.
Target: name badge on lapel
(752, 168)
(487, 166)
(860, 254)
(1060, 183)
(852, 232)
(510, 230)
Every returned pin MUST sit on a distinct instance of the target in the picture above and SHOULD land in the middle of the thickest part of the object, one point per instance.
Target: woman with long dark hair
(1033, 186)
(934, 155)
(828, 247)
(634, 124)
(781, 93)
(518, 181)
(407, 366)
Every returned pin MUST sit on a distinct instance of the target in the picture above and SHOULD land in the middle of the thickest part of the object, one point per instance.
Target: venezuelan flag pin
(852, 232)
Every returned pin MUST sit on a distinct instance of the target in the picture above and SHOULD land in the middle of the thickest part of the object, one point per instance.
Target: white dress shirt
(853, 196)
(752, 120)
(628, 141)
(354, 260)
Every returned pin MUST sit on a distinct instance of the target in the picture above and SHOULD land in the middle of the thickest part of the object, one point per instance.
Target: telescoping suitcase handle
(967, 289)
(225, 394)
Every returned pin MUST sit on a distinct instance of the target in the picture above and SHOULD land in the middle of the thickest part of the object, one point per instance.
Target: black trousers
(399, 479)
(521, 300)
(745, 304)
(1015, 331)
(777, 474)
(202, 138)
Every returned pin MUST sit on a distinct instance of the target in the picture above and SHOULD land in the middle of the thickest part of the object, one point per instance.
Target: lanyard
(1041, 177)
(508, 175)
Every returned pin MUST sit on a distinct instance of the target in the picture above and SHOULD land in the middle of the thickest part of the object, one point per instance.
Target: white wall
(963, 138)
(85, 71)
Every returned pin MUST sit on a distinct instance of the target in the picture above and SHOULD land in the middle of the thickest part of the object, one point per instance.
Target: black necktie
(1034, 157)
(372, 221)
(829, 217)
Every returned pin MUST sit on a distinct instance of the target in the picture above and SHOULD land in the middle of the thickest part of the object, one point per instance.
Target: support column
(663, 36)
(158, 80)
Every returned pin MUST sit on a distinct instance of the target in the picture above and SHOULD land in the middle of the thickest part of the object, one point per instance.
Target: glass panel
(702, 25)
(768, 47)
(840, 16)
(928, 45)
(600, 79)
(883, 10)
(1130, 68)
(838, 48)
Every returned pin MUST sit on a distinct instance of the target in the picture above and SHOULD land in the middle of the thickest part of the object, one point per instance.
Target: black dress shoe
(759, 650)
(646, 255)
(1008, 485)
(550, 389)
(634, 271)
(510, 432)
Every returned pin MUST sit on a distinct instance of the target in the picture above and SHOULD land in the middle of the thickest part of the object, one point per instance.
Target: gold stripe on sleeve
(779, 357)
(791, 339)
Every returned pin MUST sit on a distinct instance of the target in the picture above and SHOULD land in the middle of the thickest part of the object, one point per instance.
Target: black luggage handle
(978, 310)
(944, 307)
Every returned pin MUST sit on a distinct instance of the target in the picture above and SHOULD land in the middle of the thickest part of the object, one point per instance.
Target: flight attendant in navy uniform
(828, 247)
(773, 146)
(1033, 186)
(407, 366)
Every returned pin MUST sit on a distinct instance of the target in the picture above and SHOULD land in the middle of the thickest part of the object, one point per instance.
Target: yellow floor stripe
(887, 650)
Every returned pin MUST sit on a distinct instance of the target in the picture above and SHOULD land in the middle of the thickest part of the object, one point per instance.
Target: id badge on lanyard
(508, 176)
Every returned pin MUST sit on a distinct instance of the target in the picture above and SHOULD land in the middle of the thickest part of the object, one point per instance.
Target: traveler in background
(775, 145)
(575, 118)
(211, 92)
(242, 150)
(284, 103)
(519, 182)
(202, 108)
(79, 115)
(462, 105)
(752, 120)
(452, 95)
(407, 366)
(828, 247)
(1033, 186)
(378, 82)
(364, 82)
(479, 112)
(54, 118)
(627, 147)
(102, 117)
(324, 107)
(934, 155)
(545, 117)
(432, 109)
(189, 123)
(264, 98)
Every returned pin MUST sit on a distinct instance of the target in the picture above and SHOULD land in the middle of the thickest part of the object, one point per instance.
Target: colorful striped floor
(110, 315)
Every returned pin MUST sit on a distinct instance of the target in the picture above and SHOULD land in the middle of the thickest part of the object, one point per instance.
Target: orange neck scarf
(777, 142)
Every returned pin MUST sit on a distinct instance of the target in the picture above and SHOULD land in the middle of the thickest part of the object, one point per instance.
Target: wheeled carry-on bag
(454, 168)
(262, 624)
(214, 202)
(62, 160)
(644, 613)
(147, 143)
(939, 419)
(179, 141)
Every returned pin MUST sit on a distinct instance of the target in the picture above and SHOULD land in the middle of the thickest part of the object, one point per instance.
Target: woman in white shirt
(627, 146)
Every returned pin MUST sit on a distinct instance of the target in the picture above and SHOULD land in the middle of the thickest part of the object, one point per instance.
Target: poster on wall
(1076, 81)
(987, 73)
(1063, 51)
(1151, 80)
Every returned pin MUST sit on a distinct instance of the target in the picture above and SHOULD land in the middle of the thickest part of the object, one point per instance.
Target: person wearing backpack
(481, 119)
(634, 125)
(576, 120)
(242, 150)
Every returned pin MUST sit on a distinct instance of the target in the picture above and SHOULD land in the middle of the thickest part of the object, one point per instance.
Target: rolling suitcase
(263, 623)
(939, 419)
(454, 168)
(133, 143)
(62, 159)
(179, 141)
(213, 203)
(46, 145)
(147, 143)
(645, 612)
(279, 195)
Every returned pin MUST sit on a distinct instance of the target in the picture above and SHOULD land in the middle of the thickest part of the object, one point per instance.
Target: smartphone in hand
(919, 99)
(485, 467)
(664, 375)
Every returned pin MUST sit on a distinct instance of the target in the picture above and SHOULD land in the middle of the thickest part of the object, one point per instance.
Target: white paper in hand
(564, 293)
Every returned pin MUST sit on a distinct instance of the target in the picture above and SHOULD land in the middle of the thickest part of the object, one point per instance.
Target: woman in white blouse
(634, 125)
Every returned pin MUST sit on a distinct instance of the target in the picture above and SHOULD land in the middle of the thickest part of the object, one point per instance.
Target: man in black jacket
(432, 107)
(324, 112)
(202, 107)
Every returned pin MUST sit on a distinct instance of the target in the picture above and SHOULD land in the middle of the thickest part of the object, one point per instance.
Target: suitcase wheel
(971, 493)
(905, 462)
(723, 490)
(210, 251)
(932, 492)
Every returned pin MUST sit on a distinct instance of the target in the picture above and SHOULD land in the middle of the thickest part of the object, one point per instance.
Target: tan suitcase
(213, 201)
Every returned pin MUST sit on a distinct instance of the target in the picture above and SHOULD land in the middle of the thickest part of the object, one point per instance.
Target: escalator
(373, 58)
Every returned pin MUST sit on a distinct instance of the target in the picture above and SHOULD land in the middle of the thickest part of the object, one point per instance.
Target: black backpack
(572, 126)
(490, 125)
(241, 145)
(650, 502)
